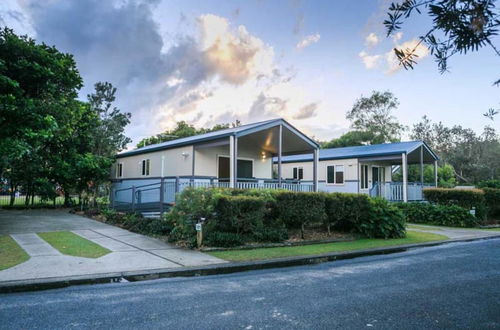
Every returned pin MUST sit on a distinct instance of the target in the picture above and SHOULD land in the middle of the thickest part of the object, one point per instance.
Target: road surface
(450, 286)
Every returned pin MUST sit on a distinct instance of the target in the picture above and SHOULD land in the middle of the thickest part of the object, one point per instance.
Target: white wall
(206, 161)
(174, 163)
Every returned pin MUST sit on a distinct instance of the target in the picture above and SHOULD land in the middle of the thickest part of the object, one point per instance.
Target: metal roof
(384, 149)
(240, 130)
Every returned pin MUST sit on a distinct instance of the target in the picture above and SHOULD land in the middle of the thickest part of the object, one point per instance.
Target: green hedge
(137, 223)
(384, 221)
(239, 214)
(435, 214)
(492, 199)
(466, 198)
(345, 211)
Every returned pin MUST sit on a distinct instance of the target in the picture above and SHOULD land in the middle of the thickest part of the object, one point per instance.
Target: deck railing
(158, 195)
(393, 191)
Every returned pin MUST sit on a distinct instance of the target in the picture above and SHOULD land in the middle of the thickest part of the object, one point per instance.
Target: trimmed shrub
(239, 214)
(270, 234)
(466, 198)
(344, 211)
(298, 209)
(221, 239)
(489, 184)
(384, 221)
(492, 199)
(434, 214)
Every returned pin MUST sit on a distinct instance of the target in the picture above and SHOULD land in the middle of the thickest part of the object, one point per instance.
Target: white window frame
(119, 166)
(366, 174)
(298, 169)
(334, 183)
(146, 167)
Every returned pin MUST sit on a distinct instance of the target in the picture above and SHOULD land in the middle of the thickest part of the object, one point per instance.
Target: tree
(352, 138)
(374, 115)
(457, 27)
(181, 130)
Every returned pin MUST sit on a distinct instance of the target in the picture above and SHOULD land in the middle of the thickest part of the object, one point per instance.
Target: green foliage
(457, 27)
(298, 209)
(373, 114)
(242, 214)
(384, 221)
(466, 198)
(435, 214)
(492, 199)
(182, 130)
(352, 138)
(345, 211)
(489, 184)
(224, 239)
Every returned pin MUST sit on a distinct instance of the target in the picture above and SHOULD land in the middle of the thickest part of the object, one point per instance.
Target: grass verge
(71, 244)
(424, 227)
(289, 251)
(11, 253)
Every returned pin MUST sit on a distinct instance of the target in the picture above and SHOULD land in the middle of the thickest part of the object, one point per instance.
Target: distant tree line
(51, 143)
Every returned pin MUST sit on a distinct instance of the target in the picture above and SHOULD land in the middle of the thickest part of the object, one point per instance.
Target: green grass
(494, 229)
(11, 253)
(289, 251)
(71, 244)
(422, 227)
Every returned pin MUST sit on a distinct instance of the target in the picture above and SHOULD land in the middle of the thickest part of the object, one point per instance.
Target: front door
(223, 172)
(245, 168)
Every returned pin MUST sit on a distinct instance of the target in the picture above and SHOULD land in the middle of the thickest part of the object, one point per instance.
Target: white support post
(315, 169)
(231, 161)
(280, 145)
(422, 166)
(405, 177)
(162, 166)
(436, 173)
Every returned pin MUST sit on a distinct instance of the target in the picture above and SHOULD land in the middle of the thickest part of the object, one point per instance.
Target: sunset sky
(215, 61)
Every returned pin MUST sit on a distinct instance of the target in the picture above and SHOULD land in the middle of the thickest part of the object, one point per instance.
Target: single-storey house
(270, 154)
(365, 169)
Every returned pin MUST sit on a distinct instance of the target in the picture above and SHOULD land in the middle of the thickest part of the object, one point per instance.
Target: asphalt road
(450, 286)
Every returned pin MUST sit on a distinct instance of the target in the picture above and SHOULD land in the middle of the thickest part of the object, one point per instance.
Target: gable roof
(385, 149)
(236, 131)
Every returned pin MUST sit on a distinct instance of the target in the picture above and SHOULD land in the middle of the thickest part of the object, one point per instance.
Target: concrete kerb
(215, 269)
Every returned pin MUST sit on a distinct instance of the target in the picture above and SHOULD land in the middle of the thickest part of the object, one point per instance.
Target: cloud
(307, 111)
(371, 40)
(370, 61)
(308, 40)
(397, 36)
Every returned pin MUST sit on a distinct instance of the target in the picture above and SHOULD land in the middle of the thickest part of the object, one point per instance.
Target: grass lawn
(289, 251)
(71, 244)
(11, 253)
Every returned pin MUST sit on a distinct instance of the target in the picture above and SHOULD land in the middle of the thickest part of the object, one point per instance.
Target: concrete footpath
(129, 251)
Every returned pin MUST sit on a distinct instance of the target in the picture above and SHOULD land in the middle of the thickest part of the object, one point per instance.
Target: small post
(162, 195)
(199, 232)
(177, 182)
(405, 177)
(280, 151)
(133, 198)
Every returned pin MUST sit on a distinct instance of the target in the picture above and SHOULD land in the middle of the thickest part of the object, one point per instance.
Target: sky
(214, 61)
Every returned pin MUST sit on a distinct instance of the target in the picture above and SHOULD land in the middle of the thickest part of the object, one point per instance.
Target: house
(365, 169)
(270, 154)
(238, 157)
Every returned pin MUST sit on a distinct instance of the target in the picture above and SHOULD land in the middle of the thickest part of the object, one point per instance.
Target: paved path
(453, 286)
(455, 233)
(129, 251)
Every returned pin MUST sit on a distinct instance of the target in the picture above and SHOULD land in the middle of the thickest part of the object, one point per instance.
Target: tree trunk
(12, 194)
(302, 230)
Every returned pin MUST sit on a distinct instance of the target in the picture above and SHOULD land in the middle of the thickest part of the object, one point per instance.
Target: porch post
(405, 177)
(422, 166)
(280, 145)
(436, 173)
(231, 161)
(315, 169)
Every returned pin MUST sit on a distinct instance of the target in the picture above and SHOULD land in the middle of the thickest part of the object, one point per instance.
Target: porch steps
(151, 215)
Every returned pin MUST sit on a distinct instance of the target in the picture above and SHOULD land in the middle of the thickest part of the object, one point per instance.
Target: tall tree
(373, 114)
(352, 138)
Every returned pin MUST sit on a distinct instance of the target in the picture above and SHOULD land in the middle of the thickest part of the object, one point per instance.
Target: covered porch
(401, 189)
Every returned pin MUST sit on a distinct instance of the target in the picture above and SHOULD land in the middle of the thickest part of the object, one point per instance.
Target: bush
(298, 209)
(344, 211)
(489, 184)
(492, 199)
(239, 214)
(270, 234)
(384, 221)
(441, 215)
(221, 239)
(466, 198)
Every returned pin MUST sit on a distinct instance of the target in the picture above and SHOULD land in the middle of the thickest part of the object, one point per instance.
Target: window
(146, 166)
(335, 174)
(298, 173)
(364, 176)
(119, 170)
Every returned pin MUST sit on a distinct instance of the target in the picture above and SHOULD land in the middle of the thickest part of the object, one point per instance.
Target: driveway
(454, 232)
(129, 251)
